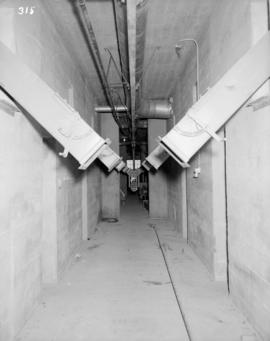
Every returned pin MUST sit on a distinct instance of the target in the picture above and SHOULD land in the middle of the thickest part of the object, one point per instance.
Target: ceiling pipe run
(122, 41)
(136, 23)
(141, 21)
(131, 30)
(130, 19)
(108, 110)
(97, 58)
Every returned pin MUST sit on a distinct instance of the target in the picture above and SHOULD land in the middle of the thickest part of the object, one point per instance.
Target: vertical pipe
(197, 71)
(197, 62)
(226, 212)
(197, 98)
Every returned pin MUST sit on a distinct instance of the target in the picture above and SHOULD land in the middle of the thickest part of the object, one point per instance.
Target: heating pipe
(108, 109)
(97, 58)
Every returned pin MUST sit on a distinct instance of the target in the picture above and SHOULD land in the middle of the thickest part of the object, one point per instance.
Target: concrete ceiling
(167, 22)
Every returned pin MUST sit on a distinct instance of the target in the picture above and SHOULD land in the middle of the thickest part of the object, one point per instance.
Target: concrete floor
(118, 288)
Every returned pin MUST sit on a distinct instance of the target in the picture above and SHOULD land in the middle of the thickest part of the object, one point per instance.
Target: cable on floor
(172, 284)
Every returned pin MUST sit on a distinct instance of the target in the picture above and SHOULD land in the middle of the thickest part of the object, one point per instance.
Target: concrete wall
(158, 188)
(205, 213)
(233, 27)
(110, 190)
(248, 200)
(42, 207)
(176, 179)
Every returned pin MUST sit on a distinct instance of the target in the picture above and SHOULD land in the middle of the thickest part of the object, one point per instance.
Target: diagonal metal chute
(50, 110)
(217, 106)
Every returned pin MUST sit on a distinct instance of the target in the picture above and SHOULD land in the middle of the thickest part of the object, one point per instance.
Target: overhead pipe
(130, 19)
(97, 58)
(122, 42)
(136, 15)
(108, 109)
(131, 30)
(120, 16)
(141, 21)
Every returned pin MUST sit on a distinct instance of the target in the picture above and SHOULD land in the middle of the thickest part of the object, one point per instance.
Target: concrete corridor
(118, 288)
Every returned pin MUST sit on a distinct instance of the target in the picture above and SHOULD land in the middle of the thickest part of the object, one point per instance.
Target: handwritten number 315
(26, 10)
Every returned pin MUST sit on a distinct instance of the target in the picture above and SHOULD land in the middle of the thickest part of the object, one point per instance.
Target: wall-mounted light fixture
(179, 47)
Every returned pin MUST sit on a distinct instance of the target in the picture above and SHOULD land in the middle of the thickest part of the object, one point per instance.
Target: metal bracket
(207, 129)
(64, 153)
(108, 141)
(259, 103)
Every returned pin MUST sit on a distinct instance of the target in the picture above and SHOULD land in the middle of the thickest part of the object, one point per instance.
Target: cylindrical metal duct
(156, 109)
